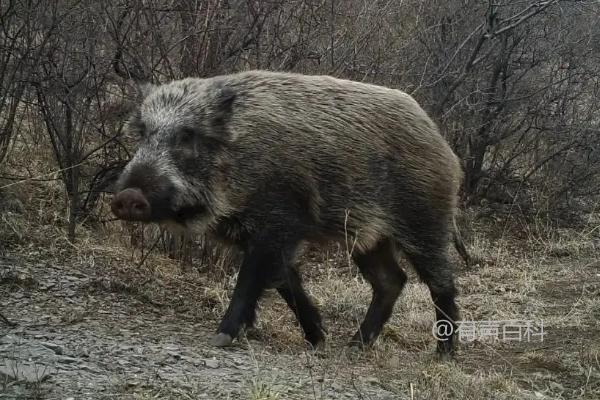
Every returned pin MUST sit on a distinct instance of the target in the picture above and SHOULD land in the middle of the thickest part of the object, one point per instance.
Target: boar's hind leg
(307, 314)
(433, 268)
(387, 279)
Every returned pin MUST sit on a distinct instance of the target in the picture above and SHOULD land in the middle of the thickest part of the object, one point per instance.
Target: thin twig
(37, 178)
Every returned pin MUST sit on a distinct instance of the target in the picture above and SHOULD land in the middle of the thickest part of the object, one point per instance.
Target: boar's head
(183, 135)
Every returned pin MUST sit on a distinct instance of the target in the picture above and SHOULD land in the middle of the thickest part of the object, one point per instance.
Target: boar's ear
(224, 99)
(144, 89)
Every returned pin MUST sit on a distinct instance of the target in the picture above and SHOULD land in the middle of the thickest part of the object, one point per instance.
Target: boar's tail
(459, 244)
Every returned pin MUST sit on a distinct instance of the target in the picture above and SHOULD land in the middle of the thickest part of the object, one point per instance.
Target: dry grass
(514, 279)
(262, 391)
(522, 271)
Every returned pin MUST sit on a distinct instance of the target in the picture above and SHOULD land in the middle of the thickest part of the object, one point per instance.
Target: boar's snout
(131, 205)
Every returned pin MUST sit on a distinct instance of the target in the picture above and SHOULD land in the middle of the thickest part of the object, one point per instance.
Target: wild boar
(267, 161)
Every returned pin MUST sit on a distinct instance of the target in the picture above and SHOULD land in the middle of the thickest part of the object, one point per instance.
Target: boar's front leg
(252, 279)
(267, 266)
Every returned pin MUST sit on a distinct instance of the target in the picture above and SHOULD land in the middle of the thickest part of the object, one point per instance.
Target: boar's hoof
(221, 340)
(445, 355)
(357, 345)
(318, 348)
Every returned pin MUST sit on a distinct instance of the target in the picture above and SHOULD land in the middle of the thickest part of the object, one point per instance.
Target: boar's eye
(186, 136)
(141, 130)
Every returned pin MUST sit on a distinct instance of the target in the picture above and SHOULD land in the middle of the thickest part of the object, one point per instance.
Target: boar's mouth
(180, 215)
(187, 213)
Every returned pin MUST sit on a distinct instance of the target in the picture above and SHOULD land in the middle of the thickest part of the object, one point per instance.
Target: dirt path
(91, 326)
(77, 338)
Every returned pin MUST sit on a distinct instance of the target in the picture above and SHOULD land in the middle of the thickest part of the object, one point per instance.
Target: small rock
(556, 386)
(211, 363)
(52, 346)
(67, 360)
(39, 336)
(372, 380)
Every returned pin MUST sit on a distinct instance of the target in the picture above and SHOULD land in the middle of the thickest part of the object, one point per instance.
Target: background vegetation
(514, 85)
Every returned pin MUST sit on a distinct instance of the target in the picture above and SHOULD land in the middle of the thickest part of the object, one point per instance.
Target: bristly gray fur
(360, 153)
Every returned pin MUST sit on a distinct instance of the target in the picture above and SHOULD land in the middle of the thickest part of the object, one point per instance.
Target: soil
(95, 327)
(79, 335)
